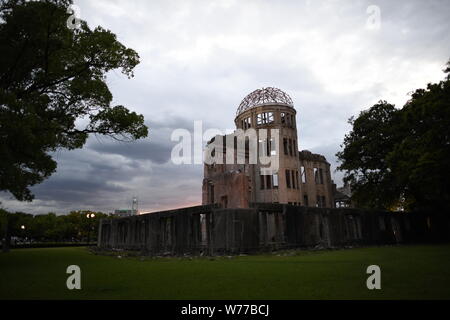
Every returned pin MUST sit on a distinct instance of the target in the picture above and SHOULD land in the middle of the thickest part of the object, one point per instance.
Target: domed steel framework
(265, 96)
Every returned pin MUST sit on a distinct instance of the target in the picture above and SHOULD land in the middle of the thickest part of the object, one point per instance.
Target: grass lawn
(407, 272)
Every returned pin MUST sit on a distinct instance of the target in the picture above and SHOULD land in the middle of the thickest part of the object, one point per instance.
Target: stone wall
(211, 230)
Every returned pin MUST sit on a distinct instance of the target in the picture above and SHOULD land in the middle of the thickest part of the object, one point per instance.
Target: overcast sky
(199, 59)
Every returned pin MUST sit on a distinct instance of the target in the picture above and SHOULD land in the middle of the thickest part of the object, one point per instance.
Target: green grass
(408, 272)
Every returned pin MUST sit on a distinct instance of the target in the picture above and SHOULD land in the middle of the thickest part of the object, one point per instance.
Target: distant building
(302, 178)
(125, 212)
(128, 212)
(342, 197)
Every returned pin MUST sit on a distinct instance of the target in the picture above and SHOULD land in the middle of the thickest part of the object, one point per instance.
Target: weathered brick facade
(302, 178)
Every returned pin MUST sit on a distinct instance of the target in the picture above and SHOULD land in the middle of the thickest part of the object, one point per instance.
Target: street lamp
(90, 216)
(22, 233)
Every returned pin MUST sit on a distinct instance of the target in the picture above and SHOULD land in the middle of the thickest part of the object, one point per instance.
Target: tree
(53, 90)
(12, 225)
(421, 161)
(399, 157)
(364, 155)
(76, 226)
(86, 227)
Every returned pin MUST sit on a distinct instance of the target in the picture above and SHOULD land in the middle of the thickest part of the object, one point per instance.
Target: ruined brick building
(302, 178)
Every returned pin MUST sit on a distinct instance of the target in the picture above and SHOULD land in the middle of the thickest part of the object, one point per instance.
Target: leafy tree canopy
(399, 158)
(75, 226)
(53, 90)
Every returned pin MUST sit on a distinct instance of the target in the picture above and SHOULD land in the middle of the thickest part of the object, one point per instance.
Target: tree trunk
(7, 239)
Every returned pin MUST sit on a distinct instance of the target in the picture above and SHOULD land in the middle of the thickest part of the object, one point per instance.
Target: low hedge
(51, 245)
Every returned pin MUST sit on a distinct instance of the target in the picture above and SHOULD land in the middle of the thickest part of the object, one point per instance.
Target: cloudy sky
(200, 58)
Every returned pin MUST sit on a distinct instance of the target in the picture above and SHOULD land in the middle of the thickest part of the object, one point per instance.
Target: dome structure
(265, 96)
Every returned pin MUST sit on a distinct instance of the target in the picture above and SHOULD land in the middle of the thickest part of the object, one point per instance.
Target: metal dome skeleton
(265, 96)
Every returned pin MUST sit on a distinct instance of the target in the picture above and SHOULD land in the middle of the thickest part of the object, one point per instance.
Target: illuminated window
(303, 174)
(273, 150)
(265, 118)
(275, 181)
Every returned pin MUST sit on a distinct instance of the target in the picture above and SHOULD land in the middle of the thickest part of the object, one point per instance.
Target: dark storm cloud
(72, 190)
(141, 150)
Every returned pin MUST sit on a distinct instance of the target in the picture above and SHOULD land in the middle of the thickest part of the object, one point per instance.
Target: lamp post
(22, 228)
(90, 216)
